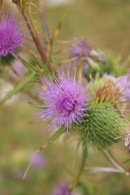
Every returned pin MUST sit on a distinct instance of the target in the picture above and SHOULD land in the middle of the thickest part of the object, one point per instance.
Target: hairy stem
(33, 33)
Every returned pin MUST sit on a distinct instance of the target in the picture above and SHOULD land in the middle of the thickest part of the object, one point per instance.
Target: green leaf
(18, 87)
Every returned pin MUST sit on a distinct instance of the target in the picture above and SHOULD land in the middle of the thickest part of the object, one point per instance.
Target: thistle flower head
(65, 100)
(62, 190)
(11, 36)
(81, 48)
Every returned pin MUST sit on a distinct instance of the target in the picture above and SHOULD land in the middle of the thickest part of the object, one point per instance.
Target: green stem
(84, 157)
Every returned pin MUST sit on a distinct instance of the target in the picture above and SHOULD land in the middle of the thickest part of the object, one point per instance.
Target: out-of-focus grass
(106, 25)
(21, 136)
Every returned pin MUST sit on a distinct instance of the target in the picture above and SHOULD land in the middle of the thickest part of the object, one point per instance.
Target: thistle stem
(33, 33)
(84, 156)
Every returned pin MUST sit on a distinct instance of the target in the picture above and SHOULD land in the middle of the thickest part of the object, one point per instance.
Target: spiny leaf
(57, 30)
(18, 87)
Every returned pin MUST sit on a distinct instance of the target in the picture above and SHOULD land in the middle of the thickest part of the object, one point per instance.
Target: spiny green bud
(101, 62)
(103, 125)
(105, 119)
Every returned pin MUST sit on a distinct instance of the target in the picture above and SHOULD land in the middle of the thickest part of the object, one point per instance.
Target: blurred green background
(106, 25)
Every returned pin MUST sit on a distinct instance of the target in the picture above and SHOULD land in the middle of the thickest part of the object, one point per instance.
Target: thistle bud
(105, 121)
(103, 125)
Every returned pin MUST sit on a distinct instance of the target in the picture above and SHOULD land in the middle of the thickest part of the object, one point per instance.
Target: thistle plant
(87, 97)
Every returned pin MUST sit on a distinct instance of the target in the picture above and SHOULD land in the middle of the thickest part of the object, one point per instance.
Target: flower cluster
(91, 108)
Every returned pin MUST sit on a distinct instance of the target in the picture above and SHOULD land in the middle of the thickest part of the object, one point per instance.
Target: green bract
(103, 125)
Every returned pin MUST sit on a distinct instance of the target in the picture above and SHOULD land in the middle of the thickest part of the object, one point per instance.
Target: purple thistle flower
(65, 100)
(124, 81)
(11, 36)
(81, 48)
(62, 190)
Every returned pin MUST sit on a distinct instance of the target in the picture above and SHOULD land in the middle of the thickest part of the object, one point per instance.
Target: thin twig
(103, 169)
(113, 161)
